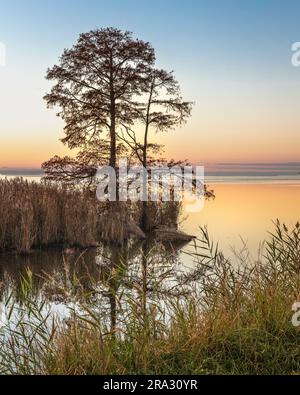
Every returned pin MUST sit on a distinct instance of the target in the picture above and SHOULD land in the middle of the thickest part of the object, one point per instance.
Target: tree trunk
(113, 142)
(145, 221)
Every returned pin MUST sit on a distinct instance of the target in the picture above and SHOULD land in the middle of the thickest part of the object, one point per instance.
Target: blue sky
(231, 57)
(186, 33)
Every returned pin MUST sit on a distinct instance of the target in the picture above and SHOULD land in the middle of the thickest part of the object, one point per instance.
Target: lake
(241, 214)
(245, 208)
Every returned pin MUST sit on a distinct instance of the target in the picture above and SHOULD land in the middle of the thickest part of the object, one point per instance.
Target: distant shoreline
(274, 171)
(210, 178)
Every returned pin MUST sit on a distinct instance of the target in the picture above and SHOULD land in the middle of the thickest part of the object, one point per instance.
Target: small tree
(162, 110)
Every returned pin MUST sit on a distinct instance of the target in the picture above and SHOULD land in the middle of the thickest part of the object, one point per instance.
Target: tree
(163, 110)
(105, 86)
(96, 84)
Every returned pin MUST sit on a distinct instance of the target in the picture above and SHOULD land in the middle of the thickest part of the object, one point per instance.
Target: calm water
(243, 209)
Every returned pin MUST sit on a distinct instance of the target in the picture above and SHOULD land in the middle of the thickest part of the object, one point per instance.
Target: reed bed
(35, 215)
(40, 215)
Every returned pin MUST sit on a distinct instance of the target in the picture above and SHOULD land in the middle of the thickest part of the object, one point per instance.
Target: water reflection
(99, 277)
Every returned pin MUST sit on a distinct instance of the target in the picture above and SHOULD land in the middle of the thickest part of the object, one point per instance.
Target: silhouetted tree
(96, 85)
(162, 110)
(106, 86)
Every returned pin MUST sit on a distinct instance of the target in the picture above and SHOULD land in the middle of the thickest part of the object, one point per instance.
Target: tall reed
(35, 215)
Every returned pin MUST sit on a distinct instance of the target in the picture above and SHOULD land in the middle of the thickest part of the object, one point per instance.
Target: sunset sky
(233, 58)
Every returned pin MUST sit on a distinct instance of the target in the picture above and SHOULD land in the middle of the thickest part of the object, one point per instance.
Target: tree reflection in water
(101, 277)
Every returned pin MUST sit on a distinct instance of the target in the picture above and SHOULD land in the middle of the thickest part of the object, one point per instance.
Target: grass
(40, 215)
(34, 215)
(224, 319)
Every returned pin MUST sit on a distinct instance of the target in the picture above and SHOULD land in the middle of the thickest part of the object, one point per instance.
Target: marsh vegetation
(153, 316)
